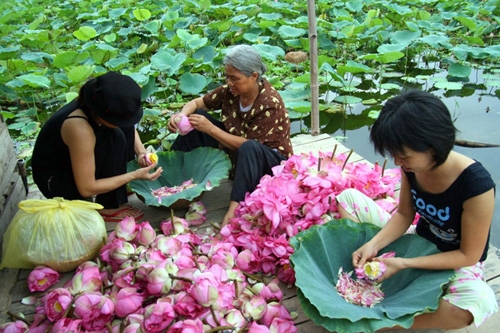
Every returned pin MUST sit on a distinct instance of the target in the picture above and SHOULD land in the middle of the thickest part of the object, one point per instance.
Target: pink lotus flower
(126, 229)
(67, 325)
(255, 307)
(42, 278)
(128, 300)
(186, 306)
(187, 326)
(282, 325)
(95, 310)
(362, 292)
(15, 327)
(145, 234)
(196, 213)
(275, 310)
(178, 226)
(86, 280)
(151, 158)
(373, 270)
(159, 280)
(256, 328)
(205, 289)
(235, 318)
(183, 124)
(56, 302)
(157, 317)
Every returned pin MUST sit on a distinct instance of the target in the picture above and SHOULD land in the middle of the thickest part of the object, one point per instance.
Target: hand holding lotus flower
(182, 123)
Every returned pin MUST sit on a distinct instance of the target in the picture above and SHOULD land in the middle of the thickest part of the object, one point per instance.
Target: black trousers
(113, 149)
(251, 161)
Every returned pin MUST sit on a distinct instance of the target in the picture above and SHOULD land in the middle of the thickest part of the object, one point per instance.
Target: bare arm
(476, 221)
(188, 109)
(80, 139)
(228, 140)
(395, 227)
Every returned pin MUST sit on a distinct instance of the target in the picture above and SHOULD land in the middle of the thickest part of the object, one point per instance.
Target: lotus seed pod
(374, 270)
(151, 158)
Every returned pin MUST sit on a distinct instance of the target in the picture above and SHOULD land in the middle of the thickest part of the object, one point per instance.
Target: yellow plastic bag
(57, 233)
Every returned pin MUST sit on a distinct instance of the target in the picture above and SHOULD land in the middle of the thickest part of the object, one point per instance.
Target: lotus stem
(334, 150)
(18, 317)
(347, 158)
(172, 221)
(383, 167)
(212, 311)
(174, 277)
(319, 164)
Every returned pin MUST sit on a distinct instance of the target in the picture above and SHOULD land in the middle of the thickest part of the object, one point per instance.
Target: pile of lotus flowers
(300, 193)
(173, 281)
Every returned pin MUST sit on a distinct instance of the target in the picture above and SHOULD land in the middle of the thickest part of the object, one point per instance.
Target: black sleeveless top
(441, 213)
(50, 154)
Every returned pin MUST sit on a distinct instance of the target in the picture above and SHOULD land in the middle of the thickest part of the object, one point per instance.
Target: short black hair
(417, 120)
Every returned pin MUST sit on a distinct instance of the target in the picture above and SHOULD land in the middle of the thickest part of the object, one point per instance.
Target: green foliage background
(173, 49)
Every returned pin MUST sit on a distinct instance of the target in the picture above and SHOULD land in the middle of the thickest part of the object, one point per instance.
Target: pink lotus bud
(15, 327)
(157, 317)
(67, 325)
(151, 158)
(95, 310)
(236, 319)
(56, 302)
(128, 300)
(159, 280)
(186, 306)
(179, 224)
(197, 206)
(132, 328)
(195, 218)
(255, 308)
(256, 328)
(42, 278)
(146, 234)
(183, 124)
(188, 325)
(205, 289)
(275, 310)
(282, 325)
(121, 251)
(126, 229)
(247, 262)
(86, 280)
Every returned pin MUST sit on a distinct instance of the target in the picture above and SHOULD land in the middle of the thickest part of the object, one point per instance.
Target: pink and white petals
(183, 124)
(42, 278)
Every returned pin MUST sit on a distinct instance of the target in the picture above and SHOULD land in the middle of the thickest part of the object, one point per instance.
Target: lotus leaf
(201, 164)
(321, 250)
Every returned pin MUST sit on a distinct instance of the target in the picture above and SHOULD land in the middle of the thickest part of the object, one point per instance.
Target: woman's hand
(363, 254)
(392, 266)
(172, 125)
(146, 174)
(141, 159)
(200, 123)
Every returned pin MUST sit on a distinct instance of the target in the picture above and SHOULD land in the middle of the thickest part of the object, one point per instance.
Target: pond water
(474, 124)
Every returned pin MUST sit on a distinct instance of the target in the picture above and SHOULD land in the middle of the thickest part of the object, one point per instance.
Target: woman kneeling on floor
(83, 149)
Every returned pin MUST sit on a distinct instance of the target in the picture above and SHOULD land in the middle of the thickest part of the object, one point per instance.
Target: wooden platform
(217, 202)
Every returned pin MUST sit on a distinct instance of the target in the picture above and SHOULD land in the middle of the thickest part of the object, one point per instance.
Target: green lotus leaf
(321, 250)
(201, 164)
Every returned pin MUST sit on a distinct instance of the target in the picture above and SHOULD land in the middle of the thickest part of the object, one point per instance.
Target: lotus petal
(203, 165)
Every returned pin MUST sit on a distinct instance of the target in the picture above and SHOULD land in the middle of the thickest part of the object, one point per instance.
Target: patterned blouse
(267, 120)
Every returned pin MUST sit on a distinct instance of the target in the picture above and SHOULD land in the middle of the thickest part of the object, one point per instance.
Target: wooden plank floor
(14, 288)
